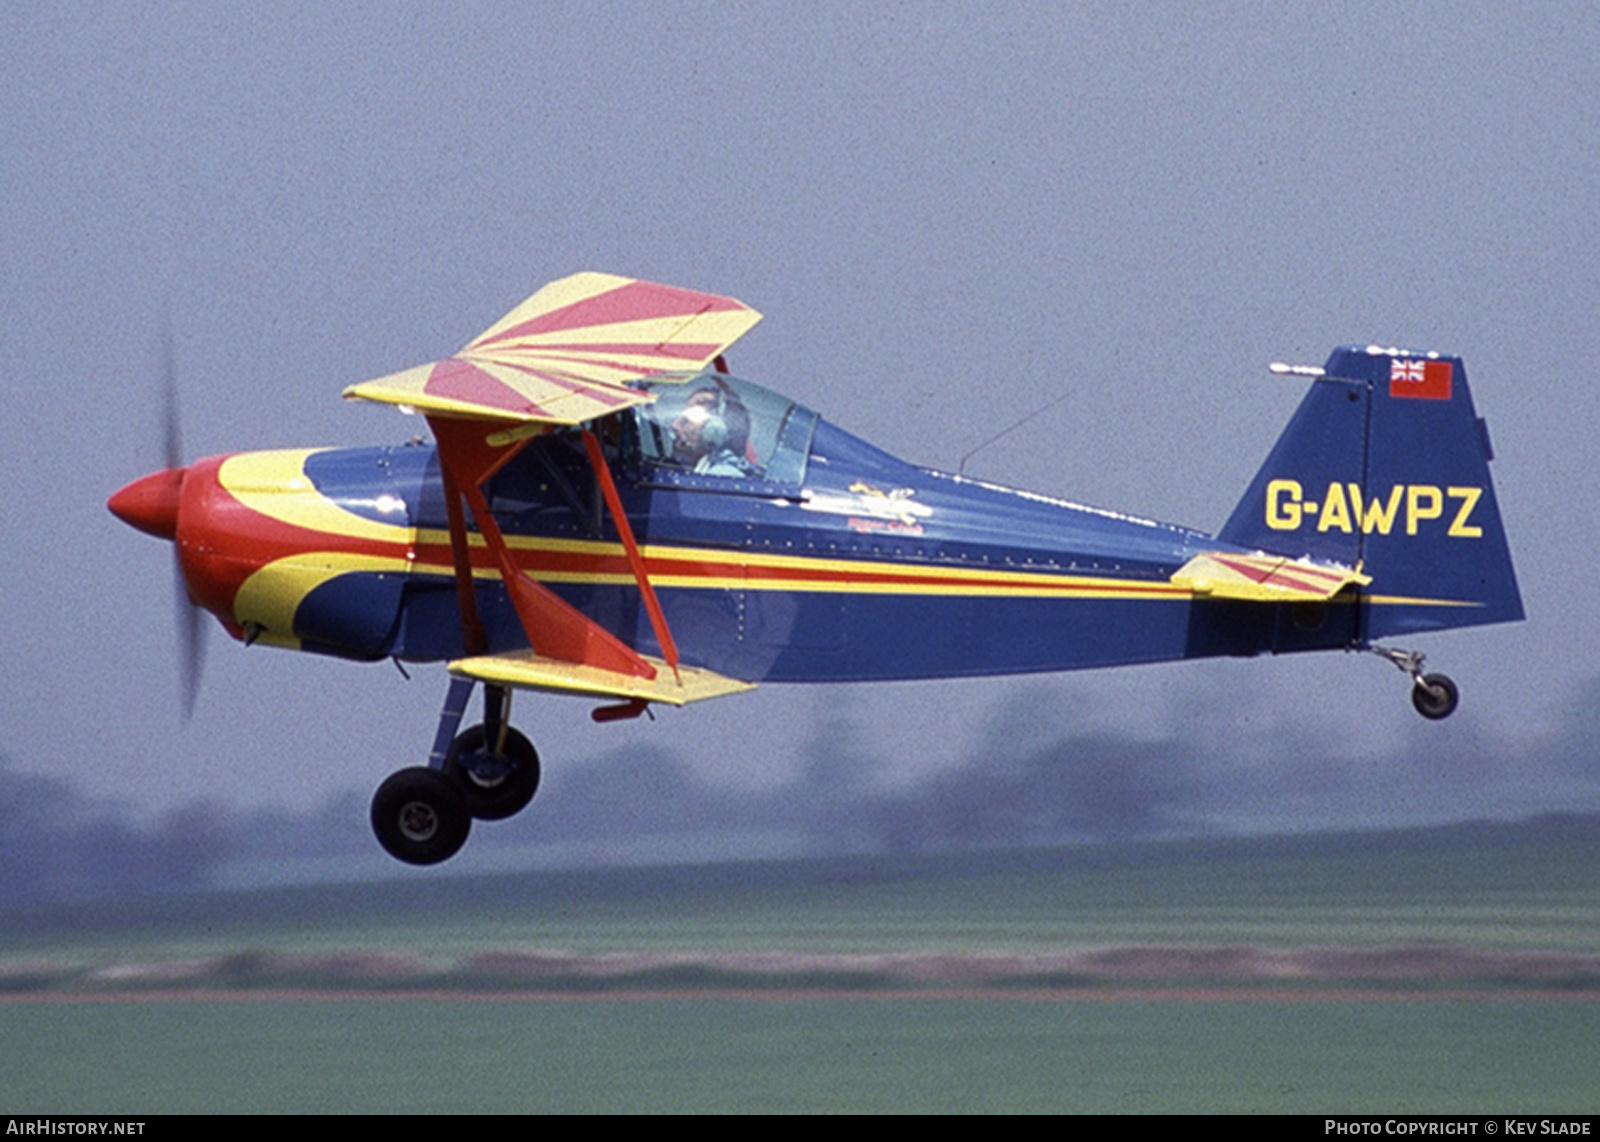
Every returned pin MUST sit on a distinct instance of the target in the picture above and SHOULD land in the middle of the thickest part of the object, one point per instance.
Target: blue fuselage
(854, 566)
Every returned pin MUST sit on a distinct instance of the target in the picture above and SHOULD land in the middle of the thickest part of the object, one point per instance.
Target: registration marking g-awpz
(1342, 508)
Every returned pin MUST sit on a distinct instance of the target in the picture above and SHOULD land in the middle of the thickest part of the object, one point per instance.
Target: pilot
(711, 436)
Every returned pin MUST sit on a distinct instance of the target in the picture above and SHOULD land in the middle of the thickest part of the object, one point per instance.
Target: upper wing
(1264, 578)
(566, 354)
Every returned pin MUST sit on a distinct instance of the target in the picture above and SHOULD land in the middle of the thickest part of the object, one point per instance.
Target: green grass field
(713, 1055)
(444, 1039)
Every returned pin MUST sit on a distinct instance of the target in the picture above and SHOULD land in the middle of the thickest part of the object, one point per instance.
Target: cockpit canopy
(724, 427)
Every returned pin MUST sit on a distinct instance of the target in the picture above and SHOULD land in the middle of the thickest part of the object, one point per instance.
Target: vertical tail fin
(1385, 466)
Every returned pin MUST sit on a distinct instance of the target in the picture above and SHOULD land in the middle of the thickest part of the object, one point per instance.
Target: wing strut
(658, 620)
(473, 637)
(554, 628)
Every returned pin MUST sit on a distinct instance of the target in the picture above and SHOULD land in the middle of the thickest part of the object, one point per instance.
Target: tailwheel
(420, 816)
(494, 783)
(1435, 696)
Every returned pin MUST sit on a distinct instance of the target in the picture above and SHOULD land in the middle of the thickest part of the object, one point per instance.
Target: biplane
(605, 511)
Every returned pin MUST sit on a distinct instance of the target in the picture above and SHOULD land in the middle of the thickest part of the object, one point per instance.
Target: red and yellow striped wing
(566, 354)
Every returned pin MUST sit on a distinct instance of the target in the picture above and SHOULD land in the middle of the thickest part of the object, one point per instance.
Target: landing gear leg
(455, 706)
(1435, 696)
(495, 766)
(422, 815)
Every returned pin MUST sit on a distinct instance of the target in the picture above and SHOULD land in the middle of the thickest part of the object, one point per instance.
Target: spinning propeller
(153, 504)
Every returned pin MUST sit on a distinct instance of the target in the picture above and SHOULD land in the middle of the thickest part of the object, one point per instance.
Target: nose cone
(150, 503)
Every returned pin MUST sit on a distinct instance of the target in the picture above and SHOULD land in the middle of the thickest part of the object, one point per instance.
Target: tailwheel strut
(1435, 696)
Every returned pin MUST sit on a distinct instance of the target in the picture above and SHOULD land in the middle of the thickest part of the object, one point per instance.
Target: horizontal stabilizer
(567, 354)
(526, 670)
(1264, 578)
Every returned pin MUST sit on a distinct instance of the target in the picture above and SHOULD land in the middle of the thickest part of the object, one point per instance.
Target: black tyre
(420, 816)
(1435, 696)
(494, 786)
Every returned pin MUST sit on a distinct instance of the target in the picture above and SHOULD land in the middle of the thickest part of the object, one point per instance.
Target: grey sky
(950, 214)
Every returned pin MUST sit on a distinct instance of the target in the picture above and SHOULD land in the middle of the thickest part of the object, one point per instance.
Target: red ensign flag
(1422, 380)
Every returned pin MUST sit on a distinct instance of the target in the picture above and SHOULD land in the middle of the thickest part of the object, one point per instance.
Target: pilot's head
(712, 420)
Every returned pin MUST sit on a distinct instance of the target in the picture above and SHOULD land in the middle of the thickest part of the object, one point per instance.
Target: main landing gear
(422, 815)
(1435, 696)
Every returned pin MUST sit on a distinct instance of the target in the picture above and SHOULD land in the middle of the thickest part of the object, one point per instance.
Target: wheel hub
(484, 769)
(418, 821)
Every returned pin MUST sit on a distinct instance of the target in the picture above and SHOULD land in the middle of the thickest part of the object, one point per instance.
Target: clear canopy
(721, 426)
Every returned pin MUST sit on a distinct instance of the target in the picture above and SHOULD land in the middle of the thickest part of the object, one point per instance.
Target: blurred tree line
(1035, 777)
